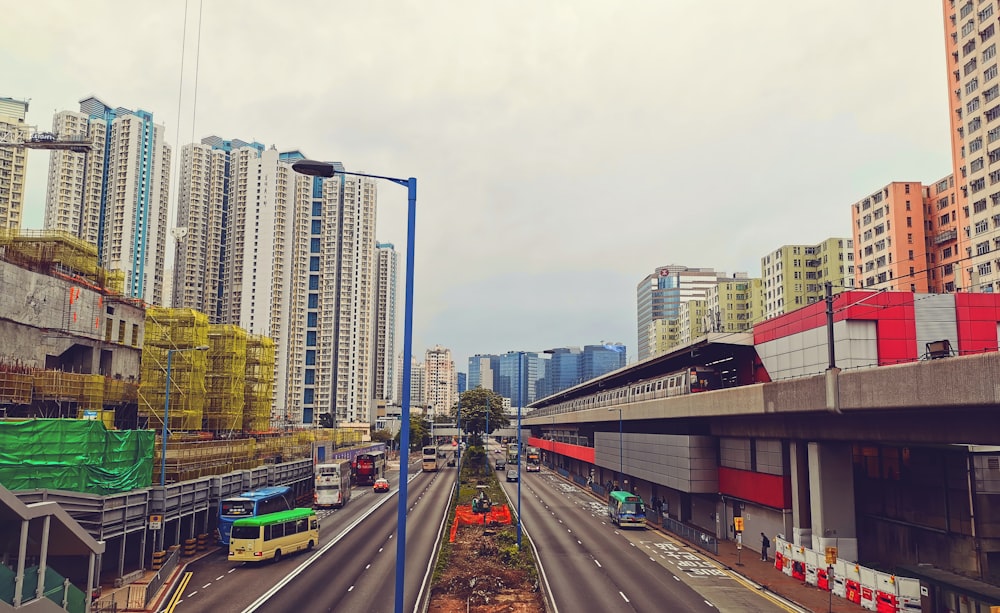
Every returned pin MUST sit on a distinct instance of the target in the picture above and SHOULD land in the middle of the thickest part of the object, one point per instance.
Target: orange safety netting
(499, 514)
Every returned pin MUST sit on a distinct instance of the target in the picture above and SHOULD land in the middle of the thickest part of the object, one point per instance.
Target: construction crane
(16, 138)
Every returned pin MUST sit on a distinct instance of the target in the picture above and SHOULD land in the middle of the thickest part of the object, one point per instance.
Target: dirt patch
(485, 573)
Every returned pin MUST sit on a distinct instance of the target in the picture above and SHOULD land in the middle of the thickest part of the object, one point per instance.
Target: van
(500, 464)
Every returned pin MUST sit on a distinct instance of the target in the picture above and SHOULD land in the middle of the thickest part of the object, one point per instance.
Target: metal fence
(691, 534)
(160, 577)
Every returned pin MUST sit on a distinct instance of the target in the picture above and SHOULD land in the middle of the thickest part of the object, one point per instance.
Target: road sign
(155, 522)
(831, 555)
(738, 524)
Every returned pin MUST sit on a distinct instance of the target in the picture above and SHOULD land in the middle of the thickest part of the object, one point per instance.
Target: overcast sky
(563, 150)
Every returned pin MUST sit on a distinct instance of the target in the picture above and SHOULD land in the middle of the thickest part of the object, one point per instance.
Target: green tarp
(74, 455)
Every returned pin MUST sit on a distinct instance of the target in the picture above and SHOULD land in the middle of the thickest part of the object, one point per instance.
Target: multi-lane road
(586, 563)
(591, 565)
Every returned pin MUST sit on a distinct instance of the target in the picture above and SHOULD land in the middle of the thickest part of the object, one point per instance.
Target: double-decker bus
(368, 467)
(430, 459)
(271, 536)
(333, 483)
(254, 503)
(512, 453)
(626, 509)
(532, 460)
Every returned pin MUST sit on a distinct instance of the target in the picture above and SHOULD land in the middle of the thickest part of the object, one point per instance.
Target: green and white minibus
(265, 537)
(626, 510)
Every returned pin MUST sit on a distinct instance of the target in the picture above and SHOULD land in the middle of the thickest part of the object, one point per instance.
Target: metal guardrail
(689, 533)
(160, 577)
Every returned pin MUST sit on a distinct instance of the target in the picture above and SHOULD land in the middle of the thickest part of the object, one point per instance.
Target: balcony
(945, 236)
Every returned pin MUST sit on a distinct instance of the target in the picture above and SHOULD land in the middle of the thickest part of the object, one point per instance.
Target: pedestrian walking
(764, 544)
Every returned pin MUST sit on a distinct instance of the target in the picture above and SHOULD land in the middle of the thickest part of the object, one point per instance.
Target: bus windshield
(237, 507)
(633, 508)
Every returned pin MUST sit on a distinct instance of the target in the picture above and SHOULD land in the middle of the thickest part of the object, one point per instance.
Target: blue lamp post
(520, 394)
(487, 443)
(166, 412)
(325, 169)
(458, 450)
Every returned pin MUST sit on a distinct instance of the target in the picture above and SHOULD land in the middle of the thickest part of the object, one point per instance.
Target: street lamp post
(487, 443)
(621, 446)
(166, 412)
(325, 169)
(520, 394)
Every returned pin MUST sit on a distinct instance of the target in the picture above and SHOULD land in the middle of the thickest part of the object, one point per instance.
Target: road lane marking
(598, 564)
(624, 597)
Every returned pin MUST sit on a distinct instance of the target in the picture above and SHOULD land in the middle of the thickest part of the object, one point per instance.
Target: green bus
(627, 510)
(271, 536)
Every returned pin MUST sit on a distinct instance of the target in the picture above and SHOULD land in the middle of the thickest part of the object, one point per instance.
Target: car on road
(381, 485)
(512, 474)
(500, 464)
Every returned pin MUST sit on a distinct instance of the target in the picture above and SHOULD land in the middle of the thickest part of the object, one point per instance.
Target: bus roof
(264, 492)
(625, 496)
(275, 518)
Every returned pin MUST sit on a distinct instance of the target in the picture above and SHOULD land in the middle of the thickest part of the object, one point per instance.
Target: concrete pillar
(801, 531)
(22, 553)
(43, 556)
(831, 492)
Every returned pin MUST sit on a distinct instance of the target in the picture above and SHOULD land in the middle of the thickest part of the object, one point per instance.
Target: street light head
(314, 168)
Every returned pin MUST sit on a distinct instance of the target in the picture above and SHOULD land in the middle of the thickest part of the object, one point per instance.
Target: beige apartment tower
(13, 163)
(793, 276)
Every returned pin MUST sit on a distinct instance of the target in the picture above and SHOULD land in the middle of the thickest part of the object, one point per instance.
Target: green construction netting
(74, 455)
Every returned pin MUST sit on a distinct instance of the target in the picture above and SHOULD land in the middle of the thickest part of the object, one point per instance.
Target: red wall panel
(578, 452)
(770, 490)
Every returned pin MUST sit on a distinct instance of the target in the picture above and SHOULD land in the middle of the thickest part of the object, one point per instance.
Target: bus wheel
(277, 555)
(309, 548)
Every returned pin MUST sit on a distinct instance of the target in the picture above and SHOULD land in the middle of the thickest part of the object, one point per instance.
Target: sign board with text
(738, 524)
(155, 522)
(831, 555)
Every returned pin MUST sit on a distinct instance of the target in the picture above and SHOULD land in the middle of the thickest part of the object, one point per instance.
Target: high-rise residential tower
(332, 293)
(795, 275)
(117, 193)
(259, 286)
(384, 326)
(971, 40)
(13, 163)
(891, 238)
(440, 382)
(201, 225)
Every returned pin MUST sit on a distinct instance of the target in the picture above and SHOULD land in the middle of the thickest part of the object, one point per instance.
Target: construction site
(122, 412)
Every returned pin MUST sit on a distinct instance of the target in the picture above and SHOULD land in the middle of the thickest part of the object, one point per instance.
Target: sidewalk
(773, 580)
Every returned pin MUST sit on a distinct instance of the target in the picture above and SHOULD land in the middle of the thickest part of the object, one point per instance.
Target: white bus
(430, 459)
(255, 539)
(333, 483)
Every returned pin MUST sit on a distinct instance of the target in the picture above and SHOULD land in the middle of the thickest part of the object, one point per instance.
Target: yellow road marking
(177, 595)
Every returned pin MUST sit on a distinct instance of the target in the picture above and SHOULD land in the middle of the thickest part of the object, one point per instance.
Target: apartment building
(689, 325)
(384, 346)
(440, 381)
(795, 275)
(734, 305)
(117, 193)
(890, 238)
(974, 98)
(200, 233)
(13, 163)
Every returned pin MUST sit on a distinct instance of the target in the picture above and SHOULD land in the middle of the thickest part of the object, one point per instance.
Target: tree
(475, 404)
(420, 431)
(381, 436)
